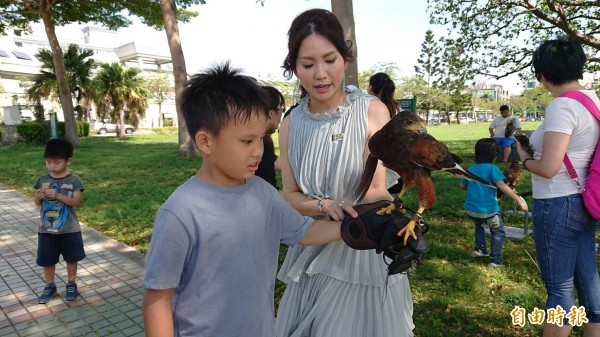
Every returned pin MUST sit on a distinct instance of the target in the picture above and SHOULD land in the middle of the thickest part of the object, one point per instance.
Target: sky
(254, 37)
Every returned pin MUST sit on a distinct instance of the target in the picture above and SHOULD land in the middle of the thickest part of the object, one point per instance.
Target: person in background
(382, 86)
(267, 165)
(332, 290)
(563, 230)
(481, 203)
(498, 130)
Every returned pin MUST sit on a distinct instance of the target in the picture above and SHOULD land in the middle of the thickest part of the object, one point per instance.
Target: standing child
(210, 268)
(59, 232)
(481, 203)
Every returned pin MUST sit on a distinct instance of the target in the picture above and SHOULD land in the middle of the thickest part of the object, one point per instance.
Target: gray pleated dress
(333, 290)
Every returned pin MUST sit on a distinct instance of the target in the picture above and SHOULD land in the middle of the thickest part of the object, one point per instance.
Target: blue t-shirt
(57, 217)
(218, 247)
(482, 199)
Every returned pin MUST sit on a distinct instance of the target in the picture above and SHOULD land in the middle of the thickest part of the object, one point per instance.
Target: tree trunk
(168, 7)
(344, 11)
(66, 100)
(121, 128)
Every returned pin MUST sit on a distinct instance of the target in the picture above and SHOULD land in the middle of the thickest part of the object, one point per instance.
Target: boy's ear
(203, 141)
(69, 161)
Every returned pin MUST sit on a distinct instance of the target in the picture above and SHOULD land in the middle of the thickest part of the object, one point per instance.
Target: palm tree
(121, 89)
(78, 66)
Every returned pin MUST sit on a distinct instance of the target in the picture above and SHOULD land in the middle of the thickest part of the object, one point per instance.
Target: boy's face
(233, 155)
(57, 166)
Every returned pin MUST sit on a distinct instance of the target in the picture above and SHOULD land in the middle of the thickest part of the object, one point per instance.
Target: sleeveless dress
(333, 290)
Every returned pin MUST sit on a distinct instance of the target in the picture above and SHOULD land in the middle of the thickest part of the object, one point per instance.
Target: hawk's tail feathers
(367, 178)
(458, 170)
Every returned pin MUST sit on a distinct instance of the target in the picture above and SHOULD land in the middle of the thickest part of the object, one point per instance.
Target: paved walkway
(108, 279)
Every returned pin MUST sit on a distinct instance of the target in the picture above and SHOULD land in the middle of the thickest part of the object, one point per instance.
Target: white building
(18, 65)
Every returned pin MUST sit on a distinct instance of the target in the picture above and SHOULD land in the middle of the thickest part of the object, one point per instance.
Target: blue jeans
(497, 238)
(565, 243)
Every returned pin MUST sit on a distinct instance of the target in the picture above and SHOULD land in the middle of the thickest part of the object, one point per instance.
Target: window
(22, 56)
(19, 44)
(17, 32)
(3, 53)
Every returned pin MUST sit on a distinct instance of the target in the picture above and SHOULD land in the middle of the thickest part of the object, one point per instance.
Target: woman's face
(320, 69)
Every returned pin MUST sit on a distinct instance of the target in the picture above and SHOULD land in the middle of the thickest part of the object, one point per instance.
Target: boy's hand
(51, 193)
(40, 194)
(523, 205)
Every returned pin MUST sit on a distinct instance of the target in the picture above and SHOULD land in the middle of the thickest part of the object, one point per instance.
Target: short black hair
(486, 151)
(560, 60)
(274, 97)
(218, 96)
(58, 148)
(504, 108)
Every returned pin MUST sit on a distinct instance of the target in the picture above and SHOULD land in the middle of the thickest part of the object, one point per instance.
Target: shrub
(83, 129)
(37, 132)
(1, 135)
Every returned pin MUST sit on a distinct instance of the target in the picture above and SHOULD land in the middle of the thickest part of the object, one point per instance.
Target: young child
(267, 166)
(481, 203)
(210, 268)
(59, 232)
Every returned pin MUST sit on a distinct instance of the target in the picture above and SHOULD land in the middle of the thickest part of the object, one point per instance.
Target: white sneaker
(478, 252)
(496, 265)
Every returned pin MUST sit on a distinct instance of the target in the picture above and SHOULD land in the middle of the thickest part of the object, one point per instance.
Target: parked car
(104, 128)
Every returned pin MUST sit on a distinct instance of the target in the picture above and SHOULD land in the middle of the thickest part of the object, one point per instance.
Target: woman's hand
(522, 153)
(335, 209)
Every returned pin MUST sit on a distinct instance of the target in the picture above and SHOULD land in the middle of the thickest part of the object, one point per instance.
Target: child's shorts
(51, 246)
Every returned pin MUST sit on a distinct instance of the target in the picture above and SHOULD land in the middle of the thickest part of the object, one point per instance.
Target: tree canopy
(501, 34)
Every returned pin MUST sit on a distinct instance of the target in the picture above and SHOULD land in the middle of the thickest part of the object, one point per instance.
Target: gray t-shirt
(57, 217)
(219, 246)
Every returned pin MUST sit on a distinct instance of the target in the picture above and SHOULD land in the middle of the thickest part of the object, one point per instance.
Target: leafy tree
(158, 85)
(121, 89)
(170, 15)
(429, 63)
(78, 69)
(502, 34)
(110, 13)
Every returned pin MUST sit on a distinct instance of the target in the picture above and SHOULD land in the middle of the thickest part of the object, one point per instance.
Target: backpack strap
(589, 104)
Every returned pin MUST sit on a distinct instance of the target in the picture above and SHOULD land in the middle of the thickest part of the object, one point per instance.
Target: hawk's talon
(408, 230)
(387, 210)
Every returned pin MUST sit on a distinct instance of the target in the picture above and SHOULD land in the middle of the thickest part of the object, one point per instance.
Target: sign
(53, 125)
(408, 104)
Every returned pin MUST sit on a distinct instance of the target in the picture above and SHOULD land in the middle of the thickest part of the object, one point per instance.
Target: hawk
(404, 146)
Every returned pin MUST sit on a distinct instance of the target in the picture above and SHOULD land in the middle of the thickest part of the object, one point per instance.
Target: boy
(59, 232)
(481, 203)
(210, 268)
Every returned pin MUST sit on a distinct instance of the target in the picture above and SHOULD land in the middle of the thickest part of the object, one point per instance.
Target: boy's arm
(74, 201)
(157, 311)
(322, 232)
(508, 191)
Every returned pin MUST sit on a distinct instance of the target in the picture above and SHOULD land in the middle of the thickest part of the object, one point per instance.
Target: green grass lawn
(454, 293)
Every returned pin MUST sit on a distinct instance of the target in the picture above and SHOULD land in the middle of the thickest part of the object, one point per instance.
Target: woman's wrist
(524, 162)
(320, 205)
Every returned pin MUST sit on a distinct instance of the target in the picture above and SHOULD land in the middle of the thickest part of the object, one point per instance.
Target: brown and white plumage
(404, 146)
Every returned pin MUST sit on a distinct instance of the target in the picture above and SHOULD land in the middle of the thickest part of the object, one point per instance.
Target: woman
(333, 290)
(563, 230)
(382, 86)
